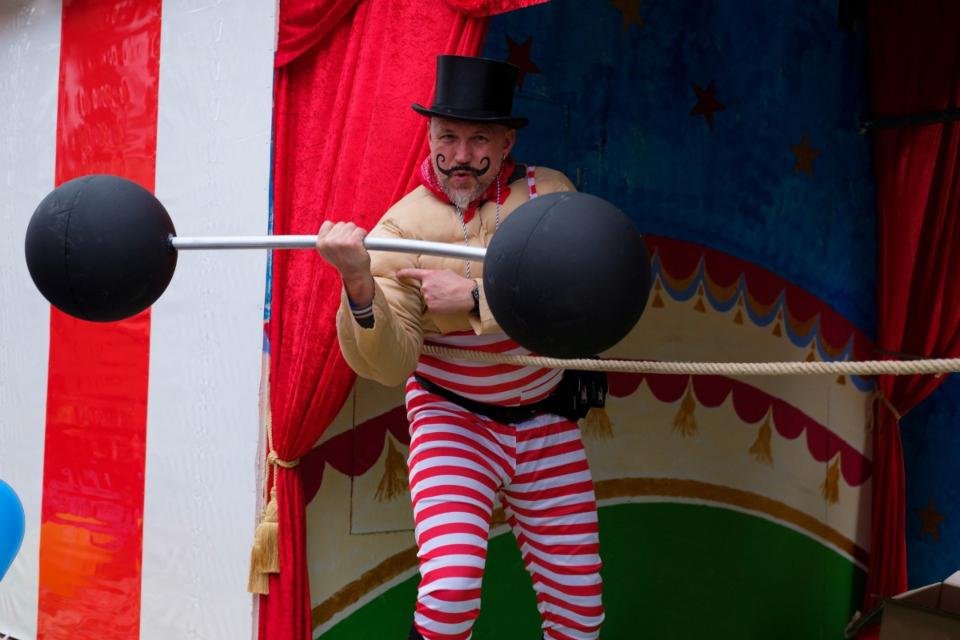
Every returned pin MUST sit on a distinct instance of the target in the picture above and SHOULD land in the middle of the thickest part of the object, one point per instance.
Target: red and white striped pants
(458, 462)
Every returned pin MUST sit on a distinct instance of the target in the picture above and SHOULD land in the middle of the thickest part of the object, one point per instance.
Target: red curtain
(914, 68)
(346, 146)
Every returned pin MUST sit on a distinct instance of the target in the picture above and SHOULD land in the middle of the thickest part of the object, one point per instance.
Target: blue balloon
(11, 526)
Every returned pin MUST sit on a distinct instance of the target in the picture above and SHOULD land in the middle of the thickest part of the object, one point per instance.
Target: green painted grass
(671, 571)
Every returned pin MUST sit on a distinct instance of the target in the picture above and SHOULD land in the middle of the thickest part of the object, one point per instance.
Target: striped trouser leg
(551, 507)
(457, 464)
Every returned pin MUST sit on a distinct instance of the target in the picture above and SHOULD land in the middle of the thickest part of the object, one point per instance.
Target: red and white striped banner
(133, 445)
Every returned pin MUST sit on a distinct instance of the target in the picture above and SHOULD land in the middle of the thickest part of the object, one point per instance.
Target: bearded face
(467, 156)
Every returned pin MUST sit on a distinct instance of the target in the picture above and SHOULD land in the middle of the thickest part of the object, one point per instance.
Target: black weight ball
(567, 275)
(98, 248)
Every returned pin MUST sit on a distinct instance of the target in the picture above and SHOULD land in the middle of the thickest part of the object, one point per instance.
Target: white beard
(462, 199)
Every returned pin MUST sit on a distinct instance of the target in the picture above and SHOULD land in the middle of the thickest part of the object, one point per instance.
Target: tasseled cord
(265, 553)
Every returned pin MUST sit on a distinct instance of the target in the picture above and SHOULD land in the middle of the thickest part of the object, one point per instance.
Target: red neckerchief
(428, 178)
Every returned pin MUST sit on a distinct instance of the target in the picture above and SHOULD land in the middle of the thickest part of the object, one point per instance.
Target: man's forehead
(444, 124)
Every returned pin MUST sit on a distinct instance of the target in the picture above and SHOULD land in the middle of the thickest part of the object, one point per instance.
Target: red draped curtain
(346, 144)
(914, 68)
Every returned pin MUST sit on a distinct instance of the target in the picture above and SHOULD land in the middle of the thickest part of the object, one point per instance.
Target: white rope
(845, 367)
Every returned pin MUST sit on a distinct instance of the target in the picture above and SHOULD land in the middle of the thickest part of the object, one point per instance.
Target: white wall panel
(29, 63)
(213, 153)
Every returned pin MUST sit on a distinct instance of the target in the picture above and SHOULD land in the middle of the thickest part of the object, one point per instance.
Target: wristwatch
(476, 299)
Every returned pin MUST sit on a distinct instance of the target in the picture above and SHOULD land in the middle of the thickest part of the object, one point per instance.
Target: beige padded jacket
(388, 352)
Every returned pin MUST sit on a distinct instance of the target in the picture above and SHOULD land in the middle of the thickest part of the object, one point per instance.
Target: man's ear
(511, 138)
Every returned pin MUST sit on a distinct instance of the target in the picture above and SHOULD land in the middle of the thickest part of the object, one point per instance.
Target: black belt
(497, 413)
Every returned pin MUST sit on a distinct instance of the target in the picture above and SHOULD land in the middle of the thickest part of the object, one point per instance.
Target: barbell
(565, 275)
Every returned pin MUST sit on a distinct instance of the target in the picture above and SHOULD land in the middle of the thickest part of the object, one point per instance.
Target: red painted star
(520, 56)
(707, 103)
(805, 155)
(930, 520)
(630, 9)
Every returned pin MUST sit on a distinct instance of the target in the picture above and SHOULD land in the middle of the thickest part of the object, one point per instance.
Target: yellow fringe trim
(700, 306)
(394, 481)
(597, 425)
(760, 449)
(830, 489)
(657, 288)
(685, 422)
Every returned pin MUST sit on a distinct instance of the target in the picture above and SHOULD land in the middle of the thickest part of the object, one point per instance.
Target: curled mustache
(484, 167)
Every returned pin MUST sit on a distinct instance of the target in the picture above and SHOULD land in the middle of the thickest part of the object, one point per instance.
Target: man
(475, 429)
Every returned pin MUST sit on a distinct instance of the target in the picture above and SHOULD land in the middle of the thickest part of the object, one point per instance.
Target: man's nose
(461, 153)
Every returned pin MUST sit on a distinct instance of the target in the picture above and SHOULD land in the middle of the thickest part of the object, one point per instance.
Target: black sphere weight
(567, 275)
(97, 248)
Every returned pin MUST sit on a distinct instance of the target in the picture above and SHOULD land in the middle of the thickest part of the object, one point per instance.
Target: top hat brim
(514, 122)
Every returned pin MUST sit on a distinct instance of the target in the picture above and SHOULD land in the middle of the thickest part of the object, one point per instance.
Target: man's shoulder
(412, 200)
(411, 204)
(549, 180)
(408, 215)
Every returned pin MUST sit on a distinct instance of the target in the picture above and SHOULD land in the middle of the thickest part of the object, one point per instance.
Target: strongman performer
(476, 430)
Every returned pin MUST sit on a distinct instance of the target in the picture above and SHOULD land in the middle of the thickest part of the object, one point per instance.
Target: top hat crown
(474, 89)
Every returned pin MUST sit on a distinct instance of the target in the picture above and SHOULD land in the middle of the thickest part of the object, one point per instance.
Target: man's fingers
(325, 228)
(412, 274)
(341, 233)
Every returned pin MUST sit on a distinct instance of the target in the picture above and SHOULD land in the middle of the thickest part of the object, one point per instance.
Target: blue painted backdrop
(611, 102)
(733, 124)
(931, 451)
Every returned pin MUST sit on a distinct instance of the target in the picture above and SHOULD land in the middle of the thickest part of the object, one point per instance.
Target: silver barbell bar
(398, 245)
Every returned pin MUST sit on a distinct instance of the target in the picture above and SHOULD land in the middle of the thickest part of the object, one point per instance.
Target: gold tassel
(830, 489)
(738, 318)
(760, 449)
(657, 300)
(258, 583)
(812, 356)
(596, 424)
(842, 379)
(700, 306)
(265, 554)
(394, 481)
(685, 422)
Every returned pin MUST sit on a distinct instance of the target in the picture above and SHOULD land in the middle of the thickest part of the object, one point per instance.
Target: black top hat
(474, 89)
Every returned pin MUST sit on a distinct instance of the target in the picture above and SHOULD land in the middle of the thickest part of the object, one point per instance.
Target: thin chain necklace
(463, 224)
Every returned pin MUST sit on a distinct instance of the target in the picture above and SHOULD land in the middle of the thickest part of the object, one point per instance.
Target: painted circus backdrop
(149, 454)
